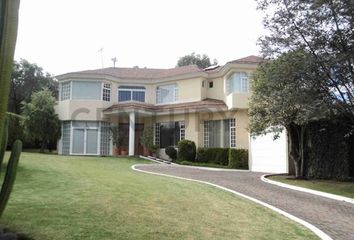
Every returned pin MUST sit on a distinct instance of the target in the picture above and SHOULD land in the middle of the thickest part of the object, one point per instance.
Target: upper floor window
(238, 82)
(131, 93)
(86, 90)
(106, 92)
(65, 91)
(167, 93)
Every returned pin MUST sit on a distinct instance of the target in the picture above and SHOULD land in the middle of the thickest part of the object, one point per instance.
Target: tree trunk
(8, 36)
(293, 146)
(42, 147)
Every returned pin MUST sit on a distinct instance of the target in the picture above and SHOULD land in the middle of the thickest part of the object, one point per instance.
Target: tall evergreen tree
(322, 28)
(28, 78)
(196, 59)
(40, 120)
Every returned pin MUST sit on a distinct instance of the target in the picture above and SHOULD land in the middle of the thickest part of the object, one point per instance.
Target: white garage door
(268, 155)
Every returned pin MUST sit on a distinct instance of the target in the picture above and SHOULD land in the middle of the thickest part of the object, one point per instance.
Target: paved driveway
(333, 217)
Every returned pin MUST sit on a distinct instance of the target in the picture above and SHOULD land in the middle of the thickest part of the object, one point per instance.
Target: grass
(345, 189)
(61, 197)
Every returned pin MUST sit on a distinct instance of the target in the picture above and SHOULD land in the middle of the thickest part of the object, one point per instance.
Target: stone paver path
(333, 217)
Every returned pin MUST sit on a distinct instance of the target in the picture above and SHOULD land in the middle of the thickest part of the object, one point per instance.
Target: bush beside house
(186, 151)
(215, 157)
(171, 152)
(238, 158)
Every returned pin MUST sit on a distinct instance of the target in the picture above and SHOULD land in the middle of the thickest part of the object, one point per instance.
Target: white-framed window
(65, 91)
(169, 133)
(220, 133)
(85, 138)
(106, 92)
(238, 82)
(105, 139)
(66, 127)
(157, 134)
(86, 90)
(232, 133)
(206, 134)
(131, 93)
(167, 93)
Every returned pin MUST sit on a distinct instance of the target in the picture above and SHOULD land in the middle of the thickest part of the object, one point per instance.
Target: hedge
(218, 156)
(329, 150)
(186, 151)
(238, 158)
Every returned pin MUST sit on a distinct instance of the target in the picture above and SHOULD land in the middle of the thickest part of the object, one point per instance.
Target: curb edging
(265, 178)
(308, 225)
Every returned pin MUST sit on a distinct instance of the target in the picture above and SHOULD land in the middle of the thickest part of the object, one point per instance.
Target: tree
(193, 59)
(325, 30)
(40, 120)
(285, 97)
(28, 78)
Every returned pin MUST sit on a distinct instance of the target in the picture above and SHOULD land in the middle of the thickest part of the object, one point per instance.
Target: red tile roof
(197, 105)
(249, 60)
(143, 73)
(152, 73)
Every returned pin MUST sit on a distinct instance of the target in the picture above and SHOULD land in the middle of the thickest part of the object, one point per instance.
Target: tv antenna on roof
(114, 60)
(101, 51)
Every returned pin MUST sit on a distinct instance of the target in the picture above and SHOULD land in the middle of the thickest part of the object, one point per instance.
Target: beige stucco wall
(217, 91)
(238, 100)
(88, 110)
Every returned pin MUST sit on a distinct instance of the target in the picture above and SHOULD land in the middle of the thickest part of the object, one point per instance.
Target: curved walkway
(333, 217)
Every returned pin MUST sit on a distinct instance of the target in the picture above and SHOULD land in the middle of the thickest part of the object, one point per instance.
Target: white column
(131, 133)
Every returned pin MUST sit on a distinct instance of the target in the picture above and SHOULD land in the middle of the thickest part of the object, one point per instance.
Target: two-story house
(208, 106)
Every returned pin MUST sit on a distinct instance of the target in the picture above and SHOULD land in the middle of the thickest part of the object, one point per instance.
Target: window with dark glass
(131, 93)
(220, 133)
(169, 133)
(106, 92)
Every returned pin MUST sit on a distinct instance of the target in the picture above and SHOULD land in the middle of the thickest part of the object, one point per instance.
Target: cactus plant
(3, 143)
(8, 34)
(10, 175)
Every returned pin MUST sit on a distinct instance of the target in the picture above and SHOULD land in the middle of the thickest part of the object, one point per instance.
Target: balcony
(238, 100)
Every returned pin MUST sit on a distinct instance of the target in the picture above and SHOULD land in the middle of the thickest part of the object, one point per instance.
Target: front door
(124, 131)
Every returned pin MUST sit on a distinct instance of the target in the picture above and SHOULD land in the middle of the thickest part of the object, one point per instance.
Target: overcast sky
(65, 35)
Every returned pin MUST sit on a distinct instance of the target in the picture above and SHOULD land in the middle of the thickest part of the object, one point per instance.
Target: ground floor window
(66, 128)
(169, 133)
(220, 133)
(85, 138)
(105, 138)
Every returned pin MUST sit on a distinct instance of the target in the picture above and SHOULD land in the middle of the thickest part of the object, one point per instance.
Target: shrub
(16, 130)
(171, 152)
(238, 158)
(186, 151)
(213, 155)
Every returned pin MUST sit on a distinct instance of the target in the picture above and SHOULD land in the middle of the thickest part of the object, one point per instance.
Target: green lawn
(60, 197)
(345, 189)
